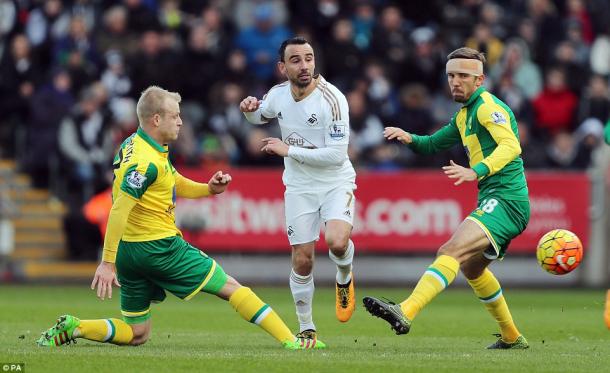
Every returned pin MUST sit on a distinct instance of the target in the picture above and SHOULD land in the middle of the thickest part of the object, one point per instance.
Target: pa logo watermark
(12, 367)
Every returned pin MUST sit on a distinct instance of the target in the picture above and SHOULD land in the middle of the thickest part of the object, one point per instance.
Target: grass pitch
(565, 330)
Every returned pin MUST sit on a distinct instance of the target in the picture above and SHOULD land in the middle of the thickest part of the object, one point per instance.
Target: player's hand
(455, 171)
(105, 276)
(273, 145)
(391, 133)
(249, 104)
(219, 182)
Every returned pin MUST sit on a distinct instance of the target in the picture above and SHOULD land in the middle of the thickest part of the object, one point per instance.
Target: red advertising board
(405, 212)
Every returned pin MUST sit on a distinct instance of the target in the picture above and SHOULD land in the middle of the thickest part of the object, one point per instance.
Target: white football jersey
(317, 121)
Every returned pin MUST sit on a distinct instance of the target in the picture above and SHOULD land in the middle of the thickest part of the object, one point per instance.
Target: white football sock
(344, 264)
(302, 288)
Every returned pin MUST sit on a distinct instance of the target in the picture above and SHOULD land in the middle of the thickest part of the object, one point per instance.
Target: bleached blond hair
(152, 101)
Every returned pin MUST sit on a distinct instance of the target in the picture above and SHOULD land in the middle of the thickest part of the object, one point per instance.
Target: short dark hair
(298, 40)
(468, 53)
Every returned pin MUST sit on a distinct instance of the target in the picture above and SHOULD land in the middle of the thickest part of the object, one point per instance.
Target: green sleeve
(137, 179)
(481, 169)
(607, 132)
(444, 138)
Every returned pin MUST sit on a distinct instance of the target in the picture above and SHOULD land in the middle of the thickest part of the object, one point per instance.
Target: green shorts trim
(212, 283)
(136, 319)
(501, 221)
(146, 270)
(494, 245)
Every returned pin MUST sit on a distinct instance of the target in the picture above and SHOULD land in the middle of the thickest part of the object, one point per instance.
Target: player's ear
(156, 119)
(282, 67)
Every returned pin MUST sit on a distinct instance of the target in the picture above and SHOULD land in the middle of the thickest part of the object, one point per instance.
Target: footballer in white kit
(320, 180)
(319, 184)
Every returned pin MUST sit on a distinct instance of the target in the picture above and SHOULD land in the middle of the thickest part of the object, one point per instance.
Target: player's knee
(230, 287)
(446, 249)
(140, 334)
(136, 341)
(337, 245)
(450, 248)
(232, 282)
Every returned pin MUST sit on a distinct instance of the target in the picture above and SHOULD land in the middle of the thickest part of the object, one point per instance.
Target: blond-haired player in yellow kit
(144, 252)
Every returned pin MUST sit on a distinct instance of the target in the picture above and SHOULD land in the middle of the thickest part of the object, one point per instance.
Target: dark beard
(460, 100)
(300, 84)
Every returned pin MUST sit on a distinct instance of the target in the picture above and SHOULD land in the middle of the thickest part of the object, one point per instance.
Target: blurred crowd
(70, 72)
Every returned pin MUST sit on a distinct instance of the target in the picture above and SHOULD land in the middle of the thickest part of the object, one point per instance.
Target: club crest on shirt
(136, 180)
(337, 131)
(498, 118)
(312, 120)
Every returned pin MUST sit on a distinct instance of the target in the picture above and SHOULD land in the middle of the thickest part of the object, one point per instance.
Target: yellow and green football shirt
(487, 129)
(143, 171)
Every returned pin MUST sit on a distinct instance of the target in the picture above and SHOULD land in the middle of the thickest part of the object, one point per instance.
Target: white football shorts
(305, 211)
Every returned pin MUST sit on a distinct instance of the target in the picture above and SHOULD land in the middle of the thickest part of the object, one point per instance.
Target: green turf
(565, 330)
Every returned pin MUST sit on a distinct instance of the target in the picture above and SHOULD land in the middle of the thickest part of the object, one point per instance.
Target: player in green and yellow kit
(487, 129)
(148, 250)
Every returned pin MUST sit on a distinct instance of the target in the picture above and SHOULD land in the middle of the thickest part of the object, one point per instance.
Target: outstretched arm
(391, 133)
(442, 139)
(188, 188)
(251, 107)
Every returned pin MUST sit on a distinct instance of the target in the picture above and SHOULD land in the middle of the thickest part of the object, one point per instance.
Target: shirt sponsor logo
(136, 180)
(294, 139)
(498, 118)
(290, 231)
(337, 131)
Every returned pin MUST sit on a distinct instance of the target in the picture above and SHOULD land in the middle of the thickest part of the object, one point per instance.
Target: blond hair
(152, 101)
